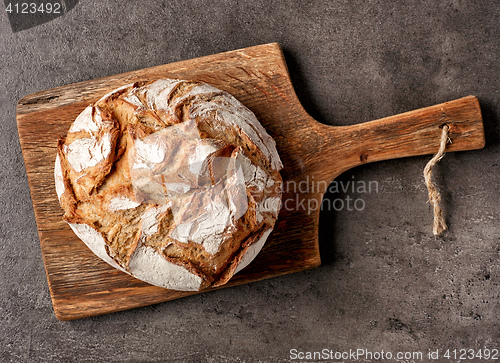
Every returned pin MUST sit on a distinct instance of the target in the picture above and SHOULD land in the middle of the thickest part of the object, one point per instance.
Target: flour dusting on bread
(174, 182)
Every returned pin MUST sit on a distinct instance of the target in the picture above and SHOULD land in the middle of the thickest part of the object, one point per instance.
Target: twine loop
(434, 197)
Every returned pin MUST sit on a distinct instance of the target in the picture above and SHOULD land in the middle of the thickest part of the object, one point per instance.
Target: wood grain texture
(313, 154)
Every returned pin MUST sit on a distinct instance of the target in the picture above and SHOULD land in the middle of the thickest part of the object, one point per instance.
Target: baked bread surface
(174, 182)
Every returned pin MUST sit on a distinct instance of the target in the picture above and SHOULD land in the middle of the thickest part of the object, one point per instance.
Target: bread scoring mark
(198, 159)
(88, 152)
(252, 251)
(133, 100)
(150, 219)
(122, 202)
(229, 111)
(148, 152)
(254, 175)
(212, 224)
(207, 226)
(86, 121)
(158, 94)
(95, 241)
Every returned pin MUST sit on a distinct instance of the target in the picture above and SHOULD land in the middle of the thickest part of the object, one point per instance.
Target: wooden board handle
(408, 134)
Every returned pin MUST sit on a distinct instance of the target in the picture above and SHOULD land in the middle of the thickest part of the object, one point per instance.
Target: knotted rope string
(434, 196)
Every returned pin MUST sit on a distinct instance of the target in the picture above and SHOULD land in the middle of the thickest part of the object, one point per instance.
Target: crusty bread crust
(174, 182)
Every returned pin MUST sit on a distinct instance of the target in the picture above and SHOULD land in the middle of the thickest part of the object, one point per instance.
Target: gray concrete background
(386, 283)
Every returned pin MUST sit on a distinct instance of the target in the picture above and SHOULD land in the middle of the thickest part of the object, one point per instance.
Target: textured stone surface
(386, 283)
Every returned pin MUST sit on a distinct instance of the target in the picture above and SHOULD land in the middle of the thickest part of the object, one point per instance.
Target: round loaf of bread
(174, 182)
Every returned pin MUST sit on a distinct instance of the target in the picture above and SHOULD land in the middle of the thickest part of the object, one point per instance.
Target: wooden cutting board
(313, 154)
